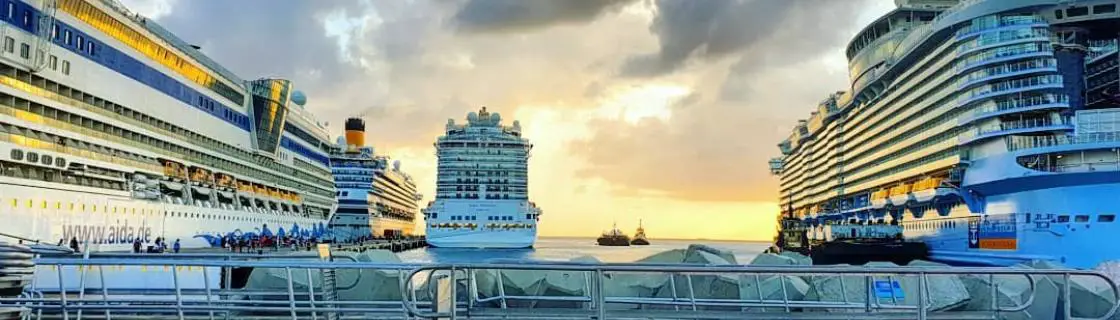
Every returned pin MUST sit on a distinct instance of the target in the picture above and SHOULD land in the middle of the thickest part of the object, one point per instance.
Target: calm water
(563, 249)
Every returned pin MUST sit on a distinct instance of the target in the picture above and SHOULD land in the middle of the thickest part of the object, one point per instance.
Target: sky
(663, 111)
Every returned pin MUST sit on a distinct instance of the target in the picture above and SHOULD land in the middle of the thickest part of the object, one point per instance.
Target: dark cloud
(715, 145)
(507, 15)
(284, 41)
(712, 29)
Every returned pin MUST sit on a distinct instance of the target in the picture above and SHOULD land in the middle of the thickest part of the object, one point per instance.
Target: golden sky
(661, 111)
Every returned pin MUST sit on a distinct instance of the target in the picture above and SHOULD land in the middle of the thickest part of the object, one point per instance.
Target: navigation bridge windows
(270, 109)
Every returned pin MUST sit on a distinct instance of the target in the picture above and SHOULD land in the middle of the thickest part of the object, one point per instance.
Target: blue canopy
(280, 232)
(214, 241)
(248, 235)
(265, 231)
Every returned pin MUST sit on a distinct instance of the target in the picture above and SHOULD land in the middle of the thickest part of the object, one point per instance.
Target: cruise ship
(114, 130)
(482, 194)
(374, 198)
(989, 130)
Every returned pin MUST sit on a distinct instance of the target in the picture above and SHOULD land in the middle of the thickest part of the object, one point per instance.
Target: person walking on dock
(74, 245)
(136, 245)
(176, 246)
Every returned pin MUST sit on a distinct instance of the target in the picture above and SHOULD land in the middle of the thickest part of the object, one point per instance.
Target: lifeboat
(928, 189)
(900, 194)
(879, 199)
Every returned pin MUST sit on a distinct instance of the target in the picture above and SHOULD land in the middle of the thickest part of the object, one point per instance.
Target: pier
(392, 245)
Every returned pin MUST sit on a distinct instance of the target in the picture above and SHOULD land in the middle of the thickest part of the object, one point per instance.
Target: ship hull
(483, 240)
(1067, 225)
(481, 224)
(106, 222)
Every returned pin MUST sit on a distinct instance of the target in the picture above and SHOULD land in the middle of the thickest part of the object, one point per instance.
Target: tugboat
(614, 238)
(640, 236)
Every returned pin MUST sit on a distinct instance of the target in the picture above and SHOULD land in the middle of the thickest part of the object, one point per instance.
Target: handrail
(674, 269)
(284, 301)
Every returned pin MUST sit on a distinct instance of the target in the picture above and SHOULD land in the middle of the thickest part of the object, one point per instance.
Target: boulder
(350, 284)
(760, 288)
(1011, 291)
(535, 283)
(770, 259)
(945, 291)
(800, 258)
(1090, 297)
(837, 289)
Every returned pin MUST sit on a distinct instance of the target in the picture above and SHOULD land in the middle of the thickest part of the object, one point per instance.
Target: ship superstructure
(482, 194)
(376, 198)
(988, 129)
(112, 130)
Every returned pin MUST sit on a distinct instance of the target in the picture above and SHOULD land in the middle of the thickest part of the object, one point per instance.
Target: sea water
(564, 249)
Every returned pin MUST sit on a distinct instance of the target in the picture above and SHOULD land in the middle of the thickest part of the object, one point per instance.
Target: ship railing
(451, 291)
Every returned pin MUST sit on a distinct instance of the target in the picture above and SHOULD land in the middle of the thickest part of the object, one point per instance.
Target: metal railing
(491, 291)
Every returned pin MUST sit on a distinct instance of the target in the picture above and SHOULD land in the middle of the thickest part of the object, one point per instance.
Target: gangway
(74, 288)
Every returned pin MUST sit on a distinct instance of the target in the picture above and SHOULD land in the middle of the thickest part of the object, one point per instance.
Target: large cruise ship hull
(106, 222)
(1066, 217)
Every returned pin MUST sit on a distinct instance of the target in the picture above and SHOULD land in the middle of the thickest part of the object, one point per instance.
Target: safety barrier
(66, 288)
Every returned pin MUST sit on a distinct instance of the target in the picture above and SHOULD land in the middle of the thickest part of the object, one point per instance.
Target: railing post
(178, 291)
(62, 291)
(922, 295)
(291, 292)
(600, 300)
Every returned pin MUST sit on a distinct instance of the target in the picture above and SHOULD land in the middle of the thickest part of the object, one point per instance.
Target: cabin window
(24, 51)
(1063, 218)
(1058, 14)
(1081, 218)
(1077, 11)
(1106, 218)
(1104, 8)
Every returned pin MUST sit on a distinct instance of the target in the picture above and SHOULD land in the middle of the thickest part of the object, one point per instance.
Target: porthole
(60, 162)
(47, 160)
(32, 157)
(17, 155)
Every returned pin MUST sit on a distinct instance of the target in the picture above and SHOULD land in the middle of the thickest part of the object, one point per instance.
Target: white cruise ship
(987, 129)
(112, 129)
(482, 195)
(374, 198)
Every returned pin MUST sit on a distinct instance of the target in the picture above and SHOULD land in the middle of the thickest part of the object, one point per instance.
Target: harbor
(697, 281)
(955, 159)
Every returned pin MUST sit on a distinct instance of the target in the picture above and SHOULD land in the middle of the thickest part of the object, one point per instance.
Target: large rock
(493, 283)
(1090, 297)
(350, 284)
(770, 259)
(945, 291)
(800, 258)
(760, 288)
(1012, 291)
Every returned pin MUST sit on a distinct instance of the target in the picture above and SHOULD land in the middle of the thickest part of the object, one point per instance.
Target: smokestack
(355, 133)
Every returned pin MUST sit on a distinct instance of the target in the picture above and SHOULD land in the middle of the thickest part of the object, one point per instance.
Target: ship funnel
(355, 133)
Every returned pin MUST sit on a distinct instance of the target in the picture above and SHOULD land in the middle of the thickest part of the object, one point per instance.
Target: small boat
(640, 236)
(614, 238)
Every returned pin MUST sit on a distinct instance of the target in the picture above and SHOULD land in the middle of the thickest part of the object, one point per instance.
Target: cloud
(717, 29)
(516, 15)
(749, 89)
